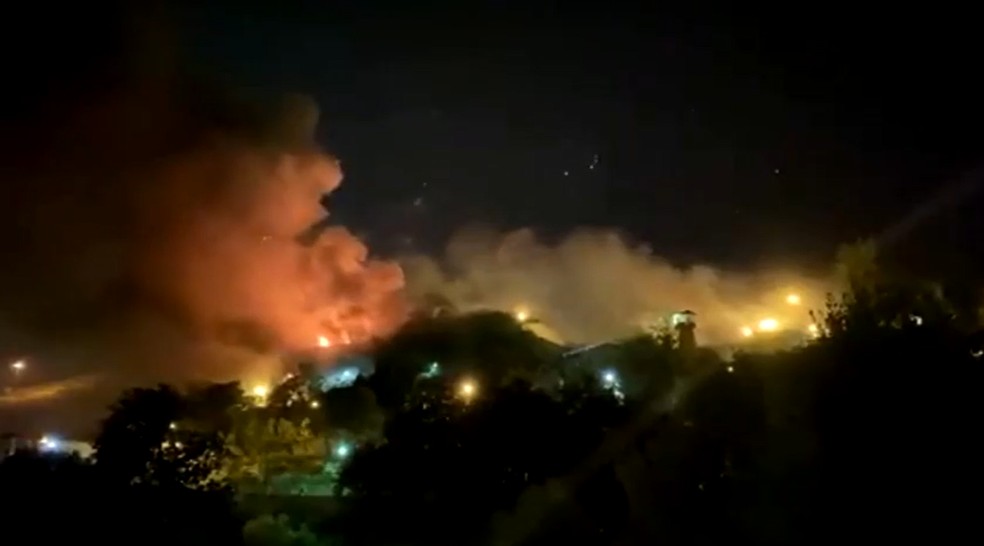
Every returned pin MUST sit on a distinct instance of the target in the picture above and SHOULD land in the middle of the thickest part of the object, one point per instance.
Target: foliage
(353, 412)
(771, 448)
(133, 446)
(261, 447)
(492, 347)
(64, 499)
(270, 530)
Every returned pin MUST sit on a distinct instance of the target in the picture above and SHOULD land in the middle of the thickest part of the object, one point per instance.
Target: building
(12, 443)
(685, 325)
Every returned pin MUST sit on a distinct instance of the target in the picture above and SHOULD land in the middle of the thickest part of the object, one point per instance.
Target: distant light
(793, 299)
(522, 315)
(746, 331)
(343, 450)
(731, 369)
(610, 381)
(768, 325)
(916, 319)
(315, 404)
(178, 445)
(324, 342)
(433, 370)
(683, 317)
(18, 366)
(49, 443)
(261, 391)
(468, 388)
(172, 426)
(813, 329)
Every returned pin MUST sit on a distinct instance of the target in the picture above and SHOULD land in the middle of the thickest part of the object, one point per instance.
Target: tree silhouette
(491, 347)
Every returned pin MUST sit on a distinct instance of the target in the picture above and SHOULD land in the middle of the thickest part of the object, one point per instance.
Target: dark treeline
(474, 431)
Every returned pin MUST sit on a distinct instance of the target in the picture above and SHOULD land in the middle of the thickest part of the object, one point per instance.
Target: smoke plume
(594, 286)
(159, 229)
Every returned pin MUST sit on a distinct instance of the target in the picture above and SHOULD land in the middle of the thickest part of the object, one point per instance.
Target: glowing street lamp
(768, 325)
(468, 389)
(343, 450)
(746, 331)
(793, 299)
(18, 367)
(522, 315)
(260, 393)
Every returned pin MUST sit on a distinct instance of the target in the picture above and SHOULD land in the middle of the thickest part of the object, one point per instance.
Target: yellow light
(18, 366)
(768, 325)
(731, 369)
(522, 315)
(813, 329)
(746, 331)
(793, 299)
(324, 342)
(468, 388)
(261, 391)
(315, 405)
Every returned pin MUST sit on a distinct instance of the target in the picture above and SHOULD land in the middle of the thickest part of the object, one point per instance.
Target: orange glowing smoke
(234, 257)
(151, 221)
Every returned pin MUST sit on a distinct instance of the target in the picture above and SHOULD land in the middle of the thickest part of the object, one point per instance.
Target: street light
(261, 391)
(18, 366)
(768, 325)
(467, 389)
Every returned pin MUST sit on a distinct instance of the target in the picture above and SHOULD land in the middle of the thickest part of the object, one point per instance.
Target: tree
(262, 446)
(466, 459)
(131, 442)
(277, 530)
(160, 436)
(490, 347)
(353, 412)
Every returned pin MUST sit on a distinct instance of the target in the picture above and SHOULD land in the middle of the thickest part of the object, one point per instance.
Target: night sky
(718, 135)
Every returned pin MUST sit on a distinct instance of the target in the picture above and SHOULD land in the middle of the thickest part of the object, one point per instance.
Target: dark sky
(732, 136)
